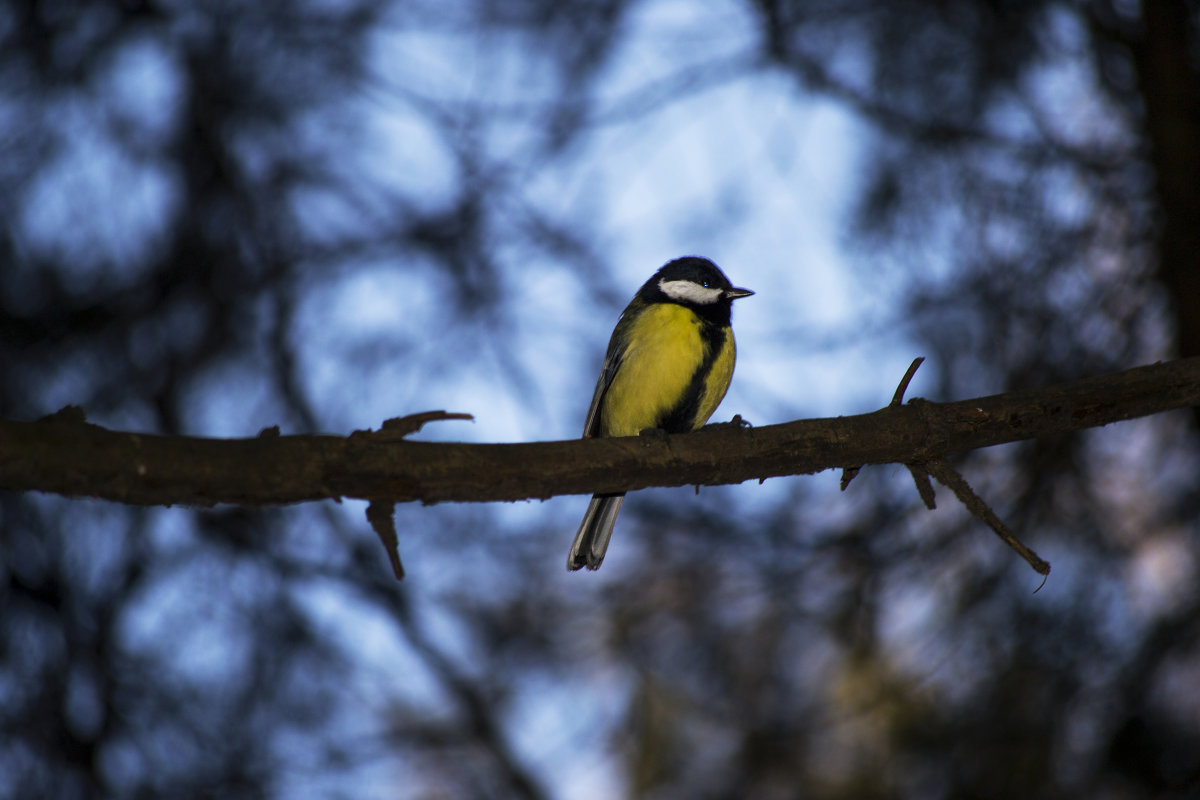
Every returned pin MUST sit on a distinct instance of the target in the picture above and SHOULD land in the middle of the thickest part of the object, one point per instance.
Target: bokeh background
(217, 216)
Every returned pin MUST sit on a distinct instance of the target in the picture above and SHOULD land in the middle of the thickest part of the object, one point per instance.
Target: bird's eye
(706, 284)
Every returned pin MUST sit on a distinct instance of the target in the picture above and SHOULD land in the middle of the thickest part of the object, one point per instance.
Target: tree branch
(65, 455)
(849, 473)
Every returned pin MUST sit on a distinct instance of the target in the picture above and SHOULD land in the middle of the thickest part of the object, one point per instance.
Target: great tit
(668, 365)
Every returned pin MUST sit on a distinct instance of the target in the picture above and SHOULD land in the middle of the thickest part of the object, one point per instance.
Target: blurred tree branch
(63, 454)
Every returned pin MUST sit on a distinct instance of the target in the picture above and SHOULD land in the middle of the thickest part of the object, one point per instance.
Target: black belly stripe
(682, 416)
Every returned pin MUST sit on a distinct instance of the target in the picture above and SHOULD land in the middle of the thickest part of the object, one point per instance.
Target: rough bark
(65, 455)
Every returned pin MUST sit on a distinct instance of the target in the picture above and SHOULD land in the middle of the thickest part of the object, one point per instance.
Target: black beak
(733, 293)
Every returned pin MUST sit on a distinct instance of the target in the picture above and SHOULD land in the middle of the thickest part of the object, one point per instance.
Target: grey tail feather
(591, 541)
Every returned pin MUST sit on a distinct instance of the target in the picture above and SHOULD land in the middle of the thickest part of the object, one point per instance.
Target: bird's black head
(694, 282)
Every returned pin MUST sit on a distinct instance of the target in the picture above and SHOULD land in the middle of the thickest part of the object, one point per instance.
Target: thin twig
(950, 478)
(898, 397)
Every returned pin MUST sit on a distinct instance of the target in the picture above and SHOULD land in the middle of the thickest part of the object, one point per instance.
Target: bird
(668, 365)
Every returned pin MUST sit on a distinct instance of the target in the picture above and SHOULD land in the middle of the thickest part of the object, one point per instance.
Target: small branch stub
(850, 473)
(400, 427)
(379, 514)
(924, 487)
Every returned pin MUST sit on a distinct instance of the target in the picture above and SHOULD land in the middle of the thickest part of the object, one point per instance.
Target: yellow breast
(718, 378)
(665, 351)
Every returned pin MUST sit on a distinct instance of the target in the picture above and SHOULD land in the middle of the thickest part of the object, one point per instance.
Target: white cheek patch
(690, 292)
